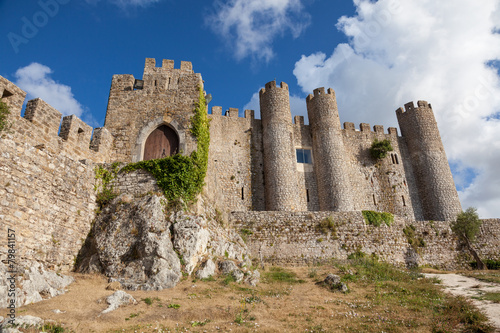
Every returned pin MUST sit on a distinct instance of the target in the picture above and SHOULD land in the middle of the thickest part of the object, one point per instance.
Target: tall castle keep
(268, 164)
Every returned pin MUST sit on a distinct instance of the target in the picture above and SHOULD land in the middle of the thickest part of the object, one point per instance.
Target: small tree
(466, 227)
(4, 114)
(379, 149)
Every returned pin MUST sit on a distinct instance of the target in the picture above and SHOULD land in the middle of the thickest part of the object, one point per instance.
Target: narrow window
(393, 160)
(242, 193)
(404, 202)
(307, 195)
(304, 156)
(396, 156)
(374, 200)
(156, 83)
(404, 182)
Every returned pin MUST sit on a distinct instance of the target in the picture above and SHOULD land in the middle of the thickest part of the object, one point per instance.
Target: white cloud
(297, 105)
(439, 51)
(250, 26)
(36, 81)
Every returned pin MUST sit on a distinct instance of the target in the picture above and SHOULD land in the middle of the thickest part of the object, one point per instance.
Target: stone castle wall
(293, 238)
(47, 179)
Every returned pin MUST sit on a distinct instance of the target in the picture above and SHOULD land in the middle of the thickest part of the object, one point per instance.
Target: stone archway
(145, 132)
(162, 142)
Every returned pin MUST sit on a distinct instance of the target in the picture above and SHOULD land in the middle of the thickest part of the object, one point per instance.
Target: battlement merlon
(12, 95)
(272, 85)
(167, 66)
(43, 116)
(75, 130)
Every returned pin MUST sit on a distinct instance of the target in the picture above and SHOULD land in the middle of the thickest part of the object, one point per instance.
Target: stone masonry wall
(293, 238)
(47, 179)
(48, 200)
(168, 97)
(229, 175)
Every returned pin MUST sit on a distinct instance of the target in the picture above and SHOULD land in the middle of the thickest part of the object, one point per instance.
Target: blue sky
(377, 55)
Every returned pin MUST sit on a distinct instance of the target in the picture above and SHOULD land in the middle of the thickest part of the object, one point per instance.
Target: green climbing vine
(103, 186)
(179, 176)
(4, 114)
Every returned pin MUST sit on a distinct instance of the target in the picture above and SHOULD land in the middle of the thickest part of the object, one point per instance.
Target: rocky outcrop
(130, 242)
(33, 283)
(139, 243)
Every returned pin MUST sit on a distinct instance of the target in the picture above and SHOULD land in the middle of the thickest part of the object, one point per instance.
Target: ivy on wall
(179, 176)
(4, 114)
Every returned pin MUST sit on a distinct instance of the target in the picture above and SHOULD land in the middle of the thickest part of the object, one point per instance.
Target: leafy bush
(377, 218)
(379, 149)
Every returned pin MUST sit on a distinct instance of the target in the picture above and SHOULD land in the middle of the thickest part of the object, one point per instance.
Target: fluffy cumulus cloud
(36, 81)
(250, 26)
(445, 52)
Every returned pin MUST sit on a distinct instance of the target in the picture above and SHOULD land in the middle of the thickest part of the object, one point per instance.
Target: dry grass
(381, 299)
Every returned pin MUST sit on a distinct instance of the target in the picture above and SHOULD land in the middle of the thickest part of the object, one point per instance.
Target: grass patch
(492, 297)
(327, 225)
(279, 274)
(487, 276)
(173, 306)
(377, 218)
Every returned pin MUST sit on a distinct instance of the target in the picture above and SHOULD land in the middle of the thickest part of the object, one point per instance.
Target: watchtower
(330, 163)
(435, 184)
(280, 163)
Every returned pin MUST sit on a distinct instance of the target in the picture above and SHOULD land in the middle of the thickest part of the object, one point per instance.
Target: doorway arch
(162, 142)
(145, 132)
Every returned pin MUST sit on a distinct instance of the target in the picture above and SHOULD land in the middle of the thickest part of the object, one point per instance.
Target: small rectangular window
(304, 156)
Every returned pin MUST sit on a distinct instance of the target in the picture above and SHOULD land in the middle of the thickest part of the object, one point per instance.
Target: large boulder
(130, 242)
(134, 243)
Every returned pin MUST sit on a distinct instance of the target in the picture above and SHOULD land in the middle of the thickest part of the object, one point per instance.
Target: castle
(273, 164)
(255, 166)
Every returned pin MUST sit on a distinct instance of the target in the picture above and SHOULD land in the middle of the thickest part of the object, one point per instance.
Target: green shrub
(379, 149)
(377, 218)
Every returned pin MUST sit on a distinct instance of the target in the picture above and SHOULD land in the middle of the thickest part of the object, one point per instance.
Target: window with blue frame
(304, 156)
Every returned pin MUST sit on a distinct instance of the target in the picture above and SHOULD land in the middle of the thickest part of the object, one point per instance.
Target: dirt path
(470, 287)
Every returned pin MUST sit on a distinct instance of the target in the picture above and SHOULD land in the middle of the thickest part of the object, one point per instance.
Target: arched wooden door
(162, 142)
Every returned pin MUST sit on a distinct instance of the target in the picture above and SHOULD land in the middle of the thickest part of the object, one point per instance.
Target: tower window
(304, 156)
(404, 202)
(396, 157)
(307, 194)
(242, 193)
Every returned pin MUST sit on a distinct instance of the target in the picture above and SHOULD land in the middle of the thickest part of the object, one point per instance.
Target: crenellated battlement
(272, 85)
(232, 113)
(410, 107)
(363, 127)
(41, 126)
(320, 92)
(166, 66)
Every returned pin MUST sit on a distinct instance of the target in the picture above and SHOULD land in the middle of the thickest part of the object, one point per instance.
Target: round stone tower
(330, 164)
(436, 187)
(280, 165)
